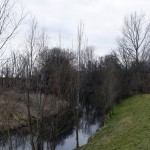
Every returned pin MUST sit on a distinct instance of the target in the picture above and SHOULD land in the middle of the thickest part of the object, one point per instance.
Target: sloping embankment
(128, 129)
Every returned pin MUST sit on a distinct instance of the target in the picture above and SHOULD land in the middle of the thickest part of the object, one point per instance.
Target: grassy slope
(128, 129)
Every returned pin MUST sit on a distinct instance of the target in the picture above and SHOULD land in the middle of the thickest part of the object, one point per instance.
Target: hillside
(128, 129)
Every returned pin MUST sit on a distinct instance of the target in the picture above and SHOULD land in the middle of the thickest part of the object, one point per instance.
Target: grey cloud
(102, 18)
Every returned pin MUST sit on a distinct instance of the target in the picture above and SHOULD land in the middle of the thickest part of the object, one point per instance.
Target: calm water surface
(88, 127)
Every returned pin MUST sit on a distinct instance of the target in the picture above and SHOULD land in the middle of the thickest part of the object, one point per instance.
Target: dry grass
(13, 110)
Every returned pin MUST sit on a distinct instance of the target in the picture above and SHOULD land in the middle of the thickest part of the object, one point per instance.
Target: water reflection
(88, 125)
(85, 132)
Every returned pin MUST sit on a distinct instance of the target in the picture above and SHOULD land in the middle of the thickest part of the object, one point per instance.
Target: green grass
(128, 129)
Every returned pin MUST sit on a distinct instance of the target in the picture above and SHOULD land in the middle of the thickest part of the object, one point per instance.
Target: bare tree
(9, 21)
(30, 61)
(41, 89)
(79, 44)
(37, 43)
(134, 44)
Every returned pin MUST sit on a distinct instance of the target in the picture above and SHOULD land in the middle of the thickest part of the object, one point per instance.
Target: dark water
(87, 127)
(85, 131)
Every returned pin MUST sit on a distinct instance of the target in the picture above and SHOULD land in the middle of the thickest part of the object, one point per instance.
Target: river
(87, 127)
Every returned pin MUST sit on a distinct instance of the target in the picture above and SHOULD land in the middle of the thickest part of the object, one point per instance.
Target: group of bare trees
(70, 79)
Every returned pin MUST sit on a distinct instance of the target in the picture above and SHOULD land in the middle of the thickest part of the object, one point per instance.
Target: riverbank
(13, 108)
(129, 127)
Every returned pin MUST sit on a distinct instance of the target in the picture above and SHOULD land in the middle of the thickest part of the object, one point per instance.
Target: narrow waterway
(19, 140)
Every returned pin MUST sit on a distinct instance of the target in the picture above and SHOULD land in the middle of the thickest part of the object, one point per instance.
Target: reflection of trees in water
(58, 127)
(65, 128)
(61, 130)
(91, 115)
(19, 140)
(60, 135)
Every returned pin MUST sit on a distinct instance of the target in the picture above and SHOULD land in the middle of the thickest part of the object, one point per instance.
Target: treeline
(103, 80)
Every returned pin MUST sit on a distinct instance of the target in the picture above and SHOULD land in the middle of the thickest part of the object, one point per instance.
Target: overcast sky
(102, 19)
